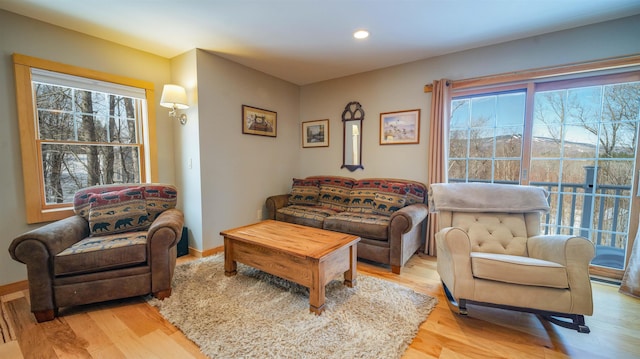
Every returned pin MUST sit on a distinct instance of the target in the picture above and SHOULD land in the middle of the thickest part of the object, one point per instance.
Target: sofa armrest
(274, 203)
(36, 249)
(404, 219)
(162, 238)
(575, 253)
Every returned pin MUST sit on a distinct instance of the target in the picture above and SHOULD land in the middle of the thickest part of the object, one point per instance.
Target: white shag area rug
(256, 315)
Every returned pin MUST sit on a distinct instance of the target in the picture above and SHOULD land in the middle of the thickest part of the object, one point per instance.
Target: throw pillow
(117, 212)
(334, 194)
(304, 192)
(389, 198)
(159, 198)
(386, 203)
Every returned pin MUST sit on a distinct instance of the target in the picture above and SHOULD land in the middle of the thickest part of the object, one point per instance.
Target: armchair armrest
(274, 203)
(36, 249)
(575, 253)
(162, 238)
(54, 237)
(454, 261)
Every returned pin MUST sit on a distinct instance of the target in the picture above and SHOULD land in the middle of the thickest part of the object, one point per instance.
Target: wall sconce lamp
(175, 98)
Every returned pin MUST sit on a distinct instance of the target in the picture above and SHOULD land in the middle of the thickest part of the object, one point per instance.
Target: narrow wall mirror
(352, 118)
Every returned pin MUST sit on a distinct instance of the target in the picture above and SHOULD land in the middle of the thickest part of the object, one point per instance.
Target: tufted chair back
(500, 233)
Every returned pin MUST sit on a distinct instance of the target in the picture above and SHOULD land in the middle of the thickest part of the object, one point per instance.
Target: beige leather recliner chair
(490, 252)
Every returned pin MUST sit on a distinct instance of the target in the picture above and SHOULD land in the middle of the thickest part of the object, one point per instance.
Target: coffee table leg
(350, 276)
(230, 266)
(317, 290)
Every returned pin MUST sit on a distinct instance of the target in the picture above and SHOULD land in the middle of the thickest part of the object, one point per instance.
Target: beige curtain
(438, 133)
(631, 280)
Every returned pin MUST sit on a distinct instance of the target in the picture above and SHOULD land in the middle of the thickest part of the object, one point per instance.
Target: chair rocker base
(575, 321)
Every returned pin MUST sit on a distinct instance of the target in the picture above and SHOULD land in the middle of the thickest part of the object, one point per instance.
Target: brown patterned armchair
(121, 243)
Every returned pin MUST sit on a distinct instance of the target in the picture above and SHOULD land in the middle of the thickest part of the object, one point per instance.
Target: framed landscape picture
(315, 133)
(400, 127)
(258, 121)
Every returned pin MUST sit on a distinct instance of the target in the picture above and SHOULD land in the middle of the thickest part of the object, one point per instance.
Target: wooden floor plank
(32, 337)
(11, 350)
(99, 344)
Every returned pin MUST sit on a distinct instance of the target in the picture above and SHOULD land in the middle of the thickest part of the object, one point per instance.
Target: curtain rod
(573, 68)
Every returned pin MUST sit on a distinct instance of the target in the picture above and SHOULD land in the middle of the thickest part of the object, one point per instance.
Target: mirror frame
(353, 112)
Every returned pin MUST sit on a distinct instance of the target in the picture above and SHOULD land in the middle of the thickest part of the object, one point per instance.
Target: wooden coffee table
(308, 256)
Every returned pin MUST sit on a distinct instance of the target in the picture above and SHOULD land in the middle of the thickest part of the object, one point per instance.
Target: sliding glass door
(576, 138)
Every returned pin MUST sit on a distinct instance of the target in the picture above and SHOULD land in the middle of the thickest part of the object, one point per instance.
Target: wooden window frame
(37, 210)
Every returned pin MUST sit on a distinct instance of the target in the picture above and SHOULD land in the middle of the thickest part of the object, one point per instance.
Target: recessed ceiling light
(361, 34)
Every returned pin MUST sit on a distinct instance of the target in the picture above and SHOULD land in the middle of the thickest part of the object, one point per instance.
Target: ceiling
(306, 41)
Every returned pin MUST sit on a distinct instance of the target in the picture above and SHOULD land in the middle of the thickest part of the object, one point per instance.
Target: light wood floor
(133, 329)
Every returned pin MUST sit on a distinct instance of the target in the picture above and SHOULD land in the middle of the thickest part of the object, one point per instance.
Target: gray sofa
(386, 213)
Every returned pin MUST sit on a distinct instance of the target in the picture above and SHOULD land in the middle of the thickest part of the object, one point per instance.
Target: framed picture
(315, 133)
(258, 121)
(400, 127)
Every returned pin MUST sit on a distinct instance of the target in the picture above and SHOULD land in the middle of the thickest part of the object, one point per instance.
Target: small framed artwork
(400, 127)
(315, 133)
(258, 121)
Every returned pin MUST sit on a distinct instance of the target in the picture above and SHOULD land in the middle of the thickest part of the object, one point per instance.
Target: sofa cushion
(312, 216)
(362, 195)
(518, 270)
(95, 254)
(159, 198)
(389, 198)
(304, 192)
(335, 192)
(366, 225)
(361, 200)
(117, 212)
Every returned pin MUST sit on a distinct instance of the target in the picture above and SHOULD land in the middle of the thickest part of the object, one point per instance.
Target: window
(485, 137)
(577, 138)
(78, 128)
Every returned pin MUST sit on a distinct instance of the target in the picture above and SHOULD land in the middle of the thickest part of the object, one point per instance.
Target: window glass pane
(544, 171)
(56, 125)
(51, 97)
(458, 143)
(458, 170)
(509, 142)
(480, 170)
(615, 172)
(510, 109)
(486, 129)
(68, 168)
(481, 142)
(459, 114)
(483, 111)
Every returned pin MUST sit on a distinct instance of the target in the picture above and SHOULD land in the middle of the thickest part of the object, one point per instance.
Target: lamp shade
(174, 96)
